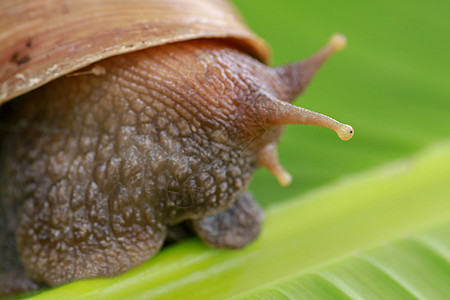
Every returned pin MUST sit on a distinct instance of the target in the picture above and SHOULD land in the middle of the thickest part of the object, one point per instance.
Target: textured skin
(94, 169)
(233, 228)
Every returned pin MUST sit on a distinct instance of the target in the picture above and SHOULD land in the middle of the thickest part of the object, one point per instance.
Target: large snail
(122, 119)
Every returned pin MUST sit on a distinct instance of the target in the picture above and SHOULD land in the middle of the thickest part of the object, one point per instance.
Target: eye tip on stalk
(345, 132)
(338, 41)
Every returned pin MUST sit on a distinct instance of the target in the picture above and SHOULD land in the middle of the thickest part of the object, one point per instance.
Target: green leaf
(387, 206)
(414, 267)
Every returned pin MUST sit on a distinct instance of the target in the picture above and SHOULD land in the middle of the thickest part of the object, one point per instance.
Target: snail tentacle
(296, 76)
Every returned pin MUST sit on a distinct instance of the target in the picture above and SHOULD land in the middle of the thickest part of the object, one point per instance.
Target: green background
(391, 83)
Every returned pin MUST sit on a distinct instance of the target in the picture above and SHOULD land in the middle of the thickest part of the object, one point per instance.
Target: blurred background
(391, 83)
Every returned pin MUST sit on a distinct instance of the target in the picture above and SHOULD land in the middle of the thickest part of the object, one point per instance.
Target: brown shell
(41, 40)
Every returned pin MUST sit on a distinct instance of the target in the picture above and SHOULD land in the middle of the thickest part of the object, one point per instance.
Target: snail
(120, 121)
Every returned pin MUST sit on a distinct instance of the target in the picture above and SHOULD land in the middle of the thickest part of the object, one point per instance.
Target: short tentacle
(268, 158)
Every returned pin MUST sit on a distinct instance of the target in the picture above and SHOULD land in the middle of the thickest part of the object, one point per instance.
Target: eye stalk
(272, 111)
(276, 112)
(345, 132)
(338, 41)
(296, 76)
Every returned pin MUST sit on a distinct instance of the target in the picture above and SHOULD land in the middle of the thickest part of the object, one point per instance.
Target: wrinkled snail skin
(97, 166)
(148, 148)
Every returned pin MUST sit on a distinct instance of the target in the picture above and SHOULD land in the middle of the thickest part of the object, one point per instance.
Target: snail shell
(44, 40)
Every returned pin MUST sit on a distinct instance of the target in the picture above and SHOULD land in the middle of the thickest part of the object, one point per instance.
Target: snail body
(98, 165)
